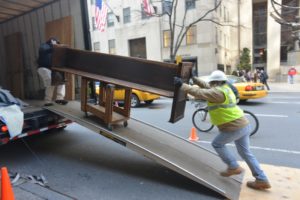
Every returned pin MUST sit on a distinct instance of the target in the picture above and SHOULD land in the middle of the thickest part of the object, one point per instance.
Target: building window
(259, 34)
(96, 46)
(190, 4)
(94, 23)
(191, 35)
(167, 38)
(110, 19)
(167, 6)
(126, 15)
(111, 47)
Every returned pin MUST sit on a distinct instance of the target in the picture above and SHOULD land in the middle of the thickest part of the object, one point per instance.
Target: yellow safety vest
(221, 113)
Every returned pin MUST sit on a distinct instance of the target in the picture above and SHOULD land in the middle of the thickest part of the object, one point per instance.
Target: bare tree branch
(184, 32)
(209, 11)
(178, 31)
(181, 32)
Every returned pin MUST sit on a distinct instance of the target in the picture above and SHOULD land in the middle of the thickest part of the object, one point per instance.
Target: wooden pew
(150, 76)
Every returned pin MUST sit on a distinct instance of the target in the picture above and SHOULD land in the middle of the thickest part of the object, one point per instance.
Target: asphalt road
(86, 165)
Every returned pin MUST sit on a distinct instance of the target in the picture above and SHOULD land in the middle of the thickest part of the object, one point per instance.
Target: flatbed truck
(37, 120)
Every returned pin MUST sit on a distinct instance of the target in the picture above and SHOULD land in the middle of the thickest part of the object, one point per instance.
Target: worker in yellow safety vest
(231, 122)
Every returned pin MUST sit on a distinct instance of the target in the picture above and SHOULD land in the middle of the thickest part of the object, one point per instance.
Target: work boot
(48, 104)
(259, 185)
(61, 102)
(230, 172)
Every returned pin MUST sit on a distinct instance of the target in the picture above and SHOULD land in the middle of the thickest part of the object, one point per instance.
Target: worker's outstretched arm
(200, 83)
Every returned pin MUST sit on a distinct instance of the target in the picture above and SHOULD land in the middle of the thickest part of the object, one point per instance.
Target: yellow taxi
(137, 96)
(247, 90)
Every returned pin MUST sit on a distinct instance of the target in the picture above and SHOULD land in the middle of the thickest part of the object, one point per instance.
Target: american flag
(100, 15)
(148, 9)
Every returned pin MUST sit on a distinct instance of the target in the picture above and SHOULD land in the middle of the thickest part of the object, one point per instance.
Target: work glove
(193, 73)
(178, 81)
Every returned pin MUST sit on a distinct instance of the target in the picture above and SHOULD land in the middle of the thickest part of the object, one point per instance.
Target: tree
(179, 27)
(287, 15)
(245, 60)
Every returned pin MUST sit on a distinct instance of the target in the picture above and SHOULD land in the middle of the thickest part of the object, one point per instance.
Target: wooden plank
(179, 101)
(62, 29)
(14, 56)
(116, 81)
(285, 182)
(84, 83)
(144, 72)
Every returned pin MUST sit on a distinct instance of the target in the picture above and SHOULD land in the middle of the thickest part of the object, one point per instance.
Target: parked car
(137, 96)
(247, 90)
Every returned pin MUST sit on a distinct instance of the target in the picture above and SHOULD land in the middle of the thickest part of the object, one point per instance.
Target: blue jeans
(242, 143)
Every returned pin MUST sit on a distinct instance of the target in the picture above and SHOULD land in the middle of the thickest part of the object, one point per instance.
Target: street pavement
(284, 87)
(29, 190)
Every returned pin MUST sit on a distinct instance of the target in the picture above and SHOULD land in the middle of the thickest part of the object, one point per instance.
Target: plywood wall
(32, 28)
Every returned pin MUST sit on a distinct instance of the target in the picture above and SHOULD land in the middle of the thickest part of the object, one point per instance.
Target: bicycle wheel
(253, 121)
(201, 120)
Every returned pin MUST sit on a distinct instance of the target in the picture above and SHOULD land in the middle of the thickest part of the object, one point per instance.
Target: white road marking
(262, 148)
(283, 97)
(266, 115)
(283, 102)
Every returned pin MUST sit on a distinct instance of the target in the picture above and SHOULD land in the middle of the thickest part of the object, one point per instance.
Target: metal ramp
(167, 149)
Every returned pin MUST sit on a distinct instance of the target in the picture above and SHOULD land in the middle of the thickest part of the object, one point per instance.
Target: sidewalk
(283, 87)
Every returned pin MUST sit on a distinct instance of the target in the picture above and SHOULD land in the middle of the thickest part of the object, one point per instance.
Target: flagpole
(117, 16)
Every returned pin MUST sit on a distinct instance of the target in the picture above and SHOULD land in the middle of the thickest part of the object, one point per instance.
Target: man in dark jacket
(50, 79)
(264, 78)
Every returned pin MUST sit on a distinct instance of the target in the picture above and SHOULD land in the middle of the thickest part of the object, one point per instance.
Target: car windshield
(231, 78)
(235, 79)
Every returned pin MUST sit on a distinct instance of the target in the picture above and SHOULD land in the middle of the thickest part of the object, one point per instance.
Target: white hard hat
(217, 76)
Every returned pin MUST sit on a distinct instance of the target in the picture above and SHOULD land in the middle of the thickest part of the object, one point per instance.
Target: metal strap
(221, 106)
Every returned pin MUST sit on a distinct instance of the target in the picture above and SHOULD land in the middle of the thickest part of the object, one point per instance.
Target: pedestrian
(255, 75)
(264, 78)
(232, 124)
(247, 75)
(50, 78)
(291, 73)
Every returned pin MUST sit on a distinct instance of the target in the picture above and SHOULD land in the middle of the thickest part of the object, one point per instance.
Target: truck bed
(36, 120)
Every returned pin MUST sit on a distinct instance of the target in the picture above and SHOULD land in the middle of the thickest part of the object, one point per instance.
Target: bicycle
(201, 119)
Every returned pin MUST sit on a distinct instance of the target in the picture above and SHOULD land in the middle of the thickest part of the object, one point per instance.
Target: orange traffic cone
(193, 135)
(6, 189)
